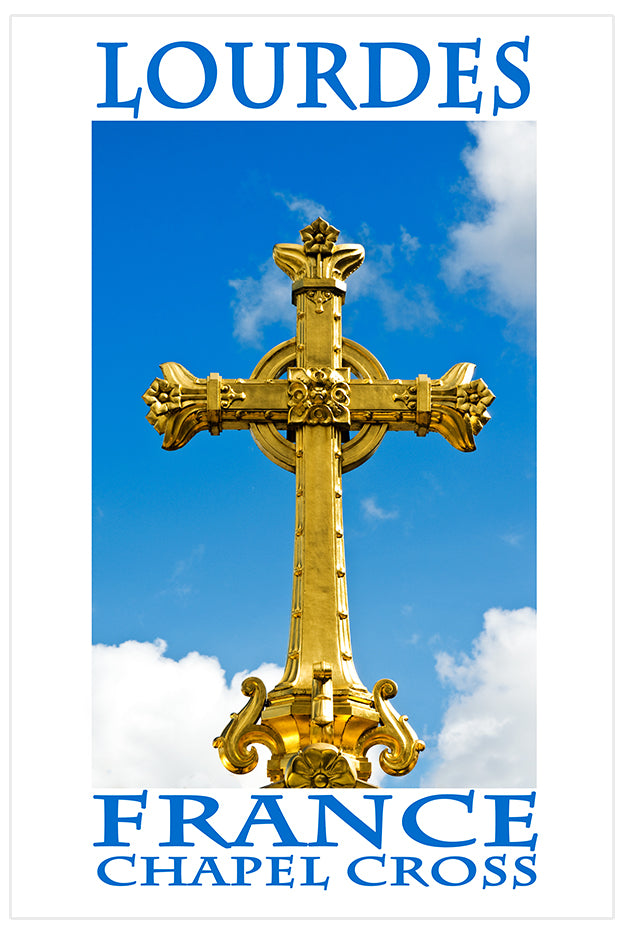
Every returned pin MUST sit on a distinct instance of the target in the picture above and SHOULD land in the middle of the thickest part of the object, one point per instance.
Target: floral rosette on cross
(473, 400)
(162, 398)
(319, 238)
(320, 766)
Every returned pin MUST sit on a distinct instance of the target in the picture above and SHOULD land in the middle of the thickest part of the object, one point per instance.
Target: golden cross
(320, 720)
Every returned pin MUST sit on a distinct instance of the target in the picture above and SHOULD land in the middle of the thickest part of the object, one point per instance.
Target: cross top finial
(319, 257)
(319, 237)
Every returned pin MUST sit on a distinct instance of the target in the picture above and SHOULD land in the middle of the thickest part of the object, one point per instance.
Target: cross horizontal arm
(454, 406)
(245, 401)
(181, 405)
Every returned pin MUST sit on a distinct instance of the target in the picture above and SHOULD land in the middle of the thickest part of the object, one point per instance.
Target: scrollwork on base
(402, 744)
(234, 743)
(318, 765)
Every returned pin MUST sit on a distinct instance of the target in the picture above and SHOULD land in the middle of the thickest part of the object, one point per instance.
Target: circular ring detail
(282, 452)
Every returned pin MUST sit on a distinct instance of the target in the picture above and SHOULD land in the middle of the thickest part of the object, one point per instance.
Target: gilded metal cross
(302, 402)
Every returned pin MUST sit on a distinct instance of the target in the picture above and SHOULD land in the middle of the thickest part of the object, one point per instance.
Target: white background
(58, 78)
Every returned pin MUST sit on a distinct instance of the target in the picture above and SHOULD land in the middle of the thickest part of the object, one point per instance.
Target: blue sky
(195, 547)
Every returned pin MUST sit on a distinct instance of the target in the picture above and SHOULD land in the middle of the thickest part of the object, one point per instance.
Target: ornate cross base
(301, 757)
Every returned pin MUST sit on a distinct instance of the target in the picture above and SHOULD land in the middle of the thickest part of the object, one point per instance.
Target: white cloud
(263, 300)
(433, 482)
(374, 512)
(499, 249)
(409, 244)
(403, 307)
(154, 718)
(260, 302)
(488, 732)
(176, 583)
(306, 209)
(512, 539)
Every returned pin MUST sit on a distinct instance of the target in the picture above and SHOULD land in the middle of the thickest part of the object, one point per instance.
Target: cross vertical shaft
(320, 659)
(319, 621)
(319, 627)
(319, 584)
